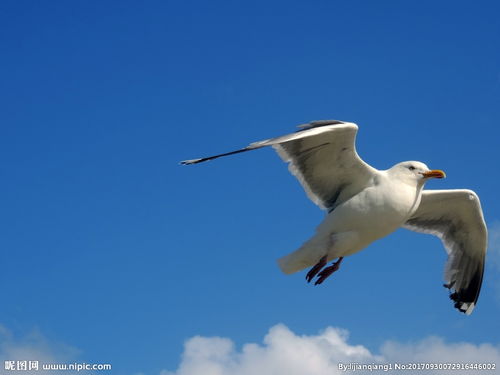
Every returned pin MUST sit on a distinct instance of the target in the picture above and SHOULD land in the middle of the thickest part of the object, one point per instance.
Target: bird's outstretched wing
(323, 157)
(455, 216)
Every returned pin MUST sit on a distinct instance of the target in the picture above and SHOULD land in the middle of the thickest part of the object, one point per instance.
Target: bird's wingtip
(470, 309)
(189, 162)
(464, 307)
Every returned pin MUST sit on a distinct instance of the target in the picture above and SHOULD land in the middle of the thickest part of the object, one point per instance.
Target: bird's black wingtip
(463, 307)
(191, 161)
(465, 297)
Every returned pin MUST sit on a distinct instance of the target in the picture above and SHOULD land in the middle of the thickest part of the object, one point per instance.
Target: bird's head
(415, 171)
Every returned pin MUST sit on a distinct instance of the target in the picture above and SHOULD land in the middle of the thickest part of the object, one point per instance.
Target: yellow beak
(436, 173)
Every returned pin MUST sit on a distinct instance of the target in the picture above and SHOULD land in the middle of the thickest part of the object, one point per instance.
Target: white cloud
(284, 352)
(33, 347)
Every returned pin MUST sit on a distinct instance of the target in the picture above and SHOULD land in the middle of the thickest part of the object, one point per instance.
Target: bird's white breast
(374, 212)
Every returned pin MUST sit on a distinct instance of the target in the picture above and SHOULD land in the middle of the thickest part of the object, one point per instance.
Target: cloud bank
(284, 352)
(33, 347)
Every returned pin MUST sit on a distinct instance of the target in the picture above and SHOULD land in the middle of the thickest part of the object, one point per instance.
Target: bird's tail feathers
(305, 256)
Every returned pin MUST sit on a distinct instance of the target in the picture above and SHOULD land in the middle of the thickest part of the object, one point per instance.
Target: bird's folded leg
(314, 271)
(323, 275)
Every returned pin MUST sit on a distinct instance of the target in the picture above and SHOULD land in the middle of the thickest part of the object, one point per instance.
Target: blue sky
(111, 248)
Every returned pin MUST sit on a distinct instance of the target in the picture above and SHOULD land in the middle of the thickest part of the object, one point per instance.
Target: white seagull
(364, 204)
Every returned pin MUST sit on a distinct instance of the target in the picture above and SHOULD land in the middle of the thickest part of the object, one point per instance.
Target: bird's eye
(411, 168)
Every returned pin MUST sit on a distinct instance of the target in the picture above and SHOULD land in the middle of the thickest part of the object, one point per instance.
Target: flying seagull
(364, 204)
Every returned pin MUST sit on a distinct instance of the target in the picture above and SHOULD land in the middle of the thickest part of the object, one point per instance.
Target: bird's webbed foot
(323, 275)
(314, 271)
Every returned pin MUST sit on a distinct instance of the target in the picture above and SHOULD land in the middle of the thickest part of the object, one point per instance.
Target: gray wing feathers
(326, 163)
(455, 216)
(303, 132)
(322, 156)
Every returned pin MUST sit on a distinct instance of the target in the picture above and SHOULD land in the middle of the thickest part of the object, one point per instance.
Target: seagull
(364, 204)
